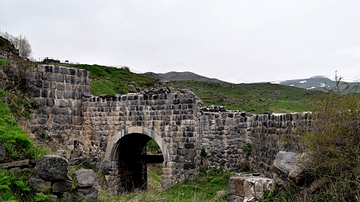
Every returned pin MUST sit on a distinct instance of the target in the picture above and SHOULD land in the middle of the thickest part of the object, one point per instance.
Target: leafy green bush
(333, 142)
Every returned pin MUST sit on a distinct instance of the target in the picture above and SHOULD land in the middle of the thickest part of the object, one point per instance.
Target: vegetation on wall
(14, 138)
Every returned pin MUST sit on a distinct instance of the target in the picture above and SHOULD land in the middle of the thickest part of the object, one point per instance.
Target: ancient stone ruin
(112, 130)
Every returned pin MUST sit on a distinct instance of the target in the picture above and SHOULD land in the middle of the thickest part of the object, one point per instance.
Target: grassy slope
(111, 80)
(254, 98)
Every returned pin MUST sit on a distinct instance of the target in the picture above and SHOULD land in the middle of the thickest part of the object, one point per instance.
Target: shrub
(333, 141)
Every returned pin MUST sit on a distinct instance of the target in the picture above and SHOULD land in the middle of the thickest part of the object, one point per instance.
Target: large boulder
(299, 170)
(283, 162)
(291, 166)
(249, 187)
(51, 167)
(85, 177)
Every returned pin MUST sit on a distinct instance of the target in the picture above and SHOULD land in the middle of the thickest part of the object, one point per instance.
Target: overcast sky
(232, 40)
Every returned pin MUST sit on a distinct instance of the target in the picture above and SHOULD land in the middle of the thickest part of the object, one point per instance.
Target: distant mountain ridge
(181, 76)
(317, 82)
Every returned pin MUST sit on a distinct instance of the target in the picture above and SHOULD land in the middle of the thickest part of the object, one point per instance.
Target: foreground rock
(53, 171)
(291, 166)
(249, 187)
(283, 163)
(51, 167)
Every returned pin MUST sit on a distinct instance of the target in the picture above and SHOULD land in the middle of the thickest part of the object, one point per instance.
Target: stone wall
(59, 92)
(233, 139)
(170, 119)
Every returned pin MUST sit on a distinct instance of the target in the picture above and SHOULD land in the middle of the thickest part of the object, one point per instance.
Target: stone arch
(139, 130)
(129, 159)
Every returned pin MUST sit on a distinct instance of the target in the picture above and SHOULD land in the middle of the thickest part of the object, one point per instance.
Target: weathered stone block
(250, 187)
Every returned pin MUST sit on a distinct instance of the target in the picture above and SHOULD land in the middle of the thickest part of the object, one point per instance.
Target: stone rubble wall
(234, 139)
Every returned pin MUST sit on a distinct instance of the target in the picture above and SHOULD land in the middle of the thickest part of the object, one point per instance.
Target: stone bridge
(112, 130)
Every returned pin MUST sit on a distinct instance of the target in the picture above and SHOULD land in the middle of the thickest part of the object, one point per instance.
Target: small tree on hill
(334, 143)
(21, 43)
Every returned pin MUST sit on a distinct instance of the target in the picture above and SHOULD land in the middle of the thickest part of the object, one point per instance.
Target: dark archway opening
(132, 162)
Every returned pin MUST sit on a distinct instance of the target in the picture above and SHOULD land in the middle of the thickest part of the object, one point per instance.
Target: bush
(333, 141)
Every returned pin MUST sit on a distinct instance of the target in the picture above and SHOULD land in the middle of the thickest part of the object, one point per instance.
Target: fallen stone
(51, 167)
(39, 185)
(62, 186)
(85, 177)
(14, 164)
(249, 187)
(299, 170)
(283, 163)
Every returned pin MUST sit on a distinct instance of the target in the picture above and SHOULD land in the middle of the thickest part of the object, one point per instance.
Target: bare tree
(21, 43)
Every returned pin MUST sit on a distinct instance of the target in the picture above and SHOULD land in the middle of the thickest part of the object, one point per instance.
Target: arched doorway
(132, 160)
(129, 159)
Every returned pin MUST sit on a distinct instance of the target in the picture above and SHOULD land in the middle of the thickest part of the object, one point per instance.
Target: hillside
(181, 76)
(254, 98)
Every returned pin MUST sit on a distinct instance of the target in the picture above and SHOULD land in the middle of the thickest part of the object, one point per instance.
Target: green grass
(4, 62)
(12, 136)
(112, 80)
(205, 187)
(254, 98)
(13, 186)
